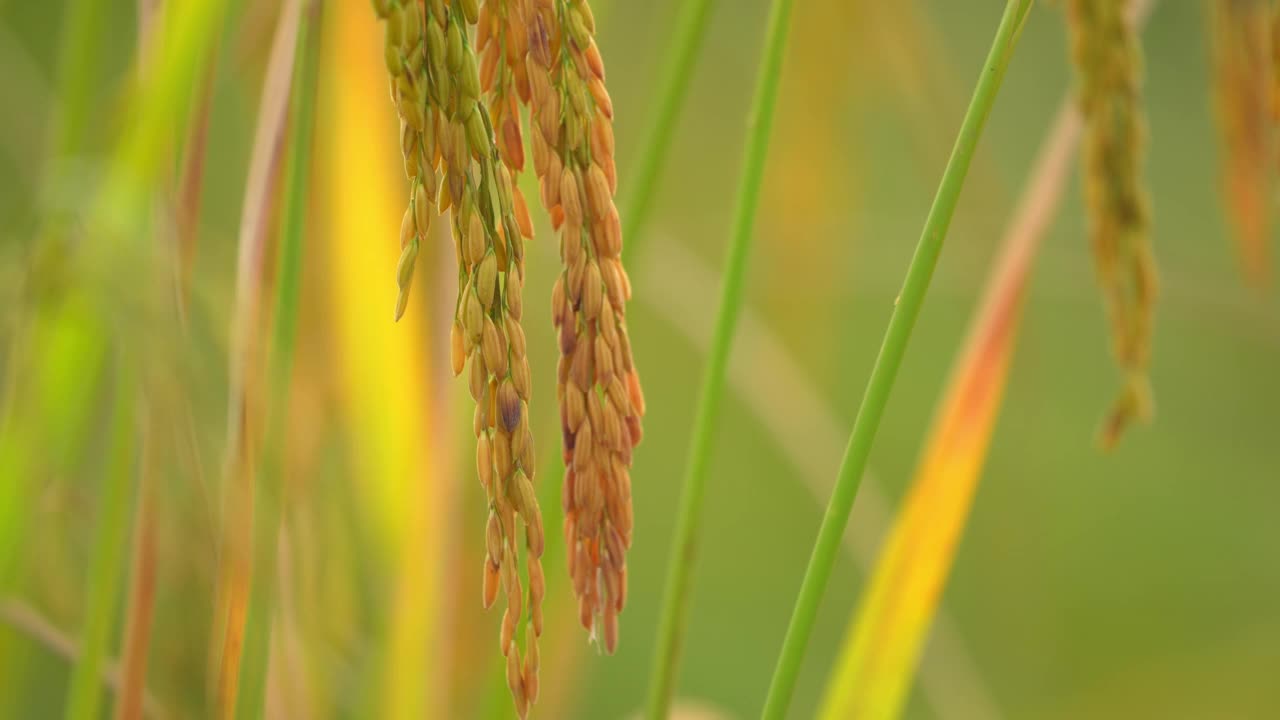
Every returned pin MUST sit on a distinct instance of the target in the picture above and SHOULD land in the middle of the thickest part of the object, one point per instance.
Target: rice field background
(1138, 582)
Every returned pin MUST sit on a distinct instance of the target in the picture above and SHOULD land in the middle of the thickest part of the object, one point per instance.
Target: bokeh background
(1140, 583)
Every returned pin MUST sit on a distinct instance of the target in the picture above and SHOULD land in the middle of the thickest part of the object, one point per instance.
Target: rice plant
(300, 297)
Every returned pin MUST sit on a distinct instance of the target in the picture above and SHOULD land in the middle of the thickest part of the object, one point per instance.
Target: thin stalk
(683, 551)
(191, 182)
(106, 565)
(677, 71)
(139, 611)
(894, 347)
(254, 665)
(236, 532)
(140, 607)
(77, 66)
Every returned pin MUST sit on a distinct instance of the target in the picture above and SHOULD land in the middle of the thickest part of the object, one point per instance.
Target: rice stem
(684, 550)
(897, 335)
(690, 30)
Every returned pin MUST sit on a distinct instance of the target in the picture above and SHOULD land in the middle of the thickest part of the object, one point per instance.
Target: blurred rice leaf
(159, 102)
(266, 521)
(156, 103)
(240, 495)
(382, 382)
(106, 565)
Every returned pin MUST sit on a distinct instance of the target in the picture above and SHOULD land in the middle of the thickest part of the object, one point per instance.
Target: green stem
(894, 347)
(677, 71)
(266, 523)
(106, 568)
(683, 551)
(77, 66)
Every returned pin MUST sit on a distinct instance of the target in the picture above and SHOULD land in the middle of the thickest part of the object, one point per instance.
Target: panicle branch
(451, 159)
(598, 387)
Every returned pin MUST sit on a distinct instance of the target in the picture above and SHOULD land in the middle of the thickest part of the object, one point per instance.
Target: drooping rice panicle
(1108, 64)
(1275, 63)
(1243, 84)
(448, 128)
(598, 388)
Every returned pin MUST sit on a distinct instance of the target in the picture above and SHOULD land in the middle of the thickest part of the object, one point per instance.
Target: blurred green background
(1140, 583)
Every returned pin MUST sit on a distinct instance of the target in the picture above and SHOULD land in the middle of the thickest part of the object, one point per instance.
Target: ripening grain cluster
(598, 387)
(1243, 84)
(446, 131)
(461, 75)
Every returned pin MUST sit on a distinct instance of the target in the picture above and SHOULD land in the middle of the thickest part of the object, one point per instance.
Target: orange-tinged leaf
(886, 638)
(140, 608)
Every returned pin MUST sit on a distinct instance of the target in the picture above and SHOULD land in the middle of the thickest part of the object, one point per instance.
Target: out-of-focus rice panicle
(598, 387)
(437, 87)
(1108, 63)
(1275, 63)
(1244, 85)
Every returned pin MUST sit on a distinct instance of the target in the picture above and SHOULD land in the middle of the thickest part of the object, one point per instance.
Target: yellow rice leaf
(384, 385)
